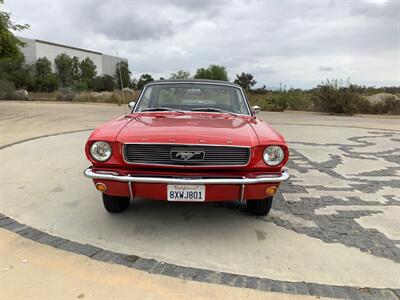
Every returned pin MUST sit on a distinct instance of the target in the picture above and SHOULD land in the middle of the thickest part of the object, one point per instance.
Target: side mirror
(131, 105)
(256, 109)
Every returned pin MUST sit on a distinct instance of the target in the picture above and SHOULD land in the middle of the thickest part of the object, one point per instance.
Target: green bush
(102, 83)
(96, 84)
(277, 102)
(80, 86)
(108, 83)
(47, 84)
(331, 96)
(390, 105)
(298, 100)
(44, 79)
(17, 71)
(7, 90)
(280, 101)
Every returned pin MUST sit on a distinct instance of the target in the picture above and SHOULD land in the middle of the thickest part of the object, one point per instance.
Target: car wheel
(260, 207)
(114, 204)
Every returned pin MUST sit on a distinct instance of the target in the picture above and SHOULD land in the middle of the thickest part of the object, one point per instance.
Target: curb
(196, 274)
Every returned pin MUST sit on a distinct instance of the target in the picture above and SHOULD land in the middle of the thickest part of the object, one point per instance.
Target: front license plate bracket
(186, 193)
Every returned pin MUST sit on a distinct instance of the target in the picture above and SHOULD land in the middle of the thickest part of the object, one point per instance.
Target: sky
(290, 43)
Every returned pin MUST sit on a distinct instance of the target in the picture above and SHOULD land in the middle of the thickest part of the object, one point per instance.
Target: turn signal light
(101, 187)
(271, 190)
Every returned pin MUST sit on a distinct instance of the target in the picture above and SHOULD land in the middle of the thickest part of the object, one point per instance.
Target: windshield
(192, 97)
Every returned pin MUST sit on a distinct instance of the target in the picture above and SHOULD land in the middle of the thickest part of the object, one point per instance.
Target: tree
(108, 83)
(45, 80)
(143, 80)
(134, 83)
(47, 84)
(214, 72)
(87, 70)
(180, 75)
(42, 67)
(122, 70)
(17, 71)
(9, 44)
(245, 80)
(64, 66)
(202, 73)
(75, 70)
(96, 84)
(103, 83)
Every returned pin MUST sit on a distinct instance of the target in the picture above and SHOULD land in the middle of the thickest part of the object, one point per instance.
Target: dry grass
(102, 97)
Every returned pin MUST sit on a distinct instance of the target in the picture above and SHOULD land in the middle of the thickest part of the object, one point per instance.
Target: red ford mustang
(188, 140)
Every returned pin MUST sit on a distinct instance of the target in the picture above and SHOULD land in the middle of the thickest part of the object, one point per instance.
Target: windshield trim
(197, 82)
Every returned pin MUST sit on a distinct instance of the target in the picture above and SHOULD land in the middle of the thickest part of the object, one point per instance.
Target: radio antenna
(122, 84)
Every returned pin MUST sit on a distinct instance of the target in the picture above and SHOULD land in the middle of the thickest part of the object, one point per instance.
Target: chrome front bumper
(267, 178)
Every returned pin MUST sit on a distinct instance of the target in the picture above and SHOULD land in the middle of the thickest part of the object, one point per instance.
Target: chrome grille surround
(159, 154)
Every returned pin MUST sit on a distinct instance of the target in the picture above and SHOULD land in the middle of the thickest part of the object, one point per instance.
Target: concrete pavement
(333, 223)
(53, 196)
(32, 271)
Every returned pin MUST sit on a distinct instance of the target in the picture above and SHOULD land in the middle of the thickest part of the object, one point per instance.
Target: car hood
(189, 128)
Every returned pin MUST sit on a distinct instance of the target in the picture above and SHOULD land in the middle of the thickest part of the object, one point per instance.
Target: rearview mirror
(131, 105)
(256, 109)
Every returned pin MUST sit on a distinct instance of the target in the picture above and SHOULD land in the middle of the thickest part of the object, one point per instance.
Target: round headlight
(100, 151)
(273, 155)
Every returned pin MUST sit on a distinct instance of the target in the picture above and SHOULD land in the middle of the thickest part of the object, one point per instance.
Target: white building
(36, 49)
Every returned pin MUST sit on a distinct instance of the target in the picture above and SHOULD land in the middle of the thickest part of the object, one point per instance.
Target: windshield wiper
(159, 108)
(210, 109)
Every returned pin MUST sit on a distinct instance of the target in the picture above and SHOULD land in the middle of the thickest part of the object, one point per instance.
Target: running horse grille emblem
(187, 155)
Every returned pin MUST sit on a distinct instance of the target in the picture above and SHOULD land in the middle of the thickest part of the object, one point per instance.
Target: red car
(188, 140)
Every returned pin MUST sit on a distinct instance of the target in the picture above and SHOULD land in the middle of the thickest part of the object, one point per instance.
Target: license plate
(186, 192)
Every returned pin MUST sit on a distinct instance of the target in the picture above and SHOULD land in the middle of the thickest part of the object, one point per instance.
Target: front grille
(186, 155)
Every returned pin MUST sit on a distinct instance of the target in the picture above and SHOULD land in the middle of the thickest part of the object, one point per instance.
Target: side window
(145, 100)
(242, 104)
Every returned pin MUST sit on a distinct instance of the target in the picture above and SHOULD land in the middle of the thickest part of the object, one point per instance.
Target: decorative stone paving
(195, 274)
(361, 179)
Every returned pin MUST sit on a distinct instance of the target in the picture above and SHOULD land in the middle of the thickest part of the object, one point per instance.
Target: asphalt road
(334, 224)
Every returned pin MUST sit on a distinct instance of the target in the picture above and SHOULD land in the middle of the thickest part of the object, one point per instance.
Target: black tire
(260, 207)
(114, 204)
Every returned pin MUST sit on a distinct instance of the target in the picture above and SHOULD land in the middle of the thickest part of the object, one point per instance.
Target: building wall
(110, 63)
(35, 49)
(29, 50)
(52, 51)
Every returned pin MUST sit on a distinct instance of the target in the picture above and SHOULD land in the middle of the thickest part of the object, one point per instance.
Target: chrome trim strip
(185, 166)
(187, 112)
(267, 178)
(107, 172)
(173, 144)
(199, 81)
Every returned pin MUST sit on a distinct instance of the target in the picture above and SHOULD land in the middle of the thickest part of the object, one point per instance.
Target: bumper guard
(267, 178)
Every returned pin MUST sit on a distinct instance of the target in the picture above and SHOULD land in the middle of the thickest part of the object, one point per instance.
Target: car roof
(203, 81)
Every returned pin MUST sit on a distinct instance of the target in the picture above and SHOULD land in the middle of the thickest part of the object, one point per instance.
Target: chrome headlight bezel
(273, 155)
(100, 151)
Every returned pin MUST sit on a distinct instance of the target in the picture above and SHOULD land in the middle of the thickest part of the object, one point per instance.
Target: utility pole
(122, 84)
